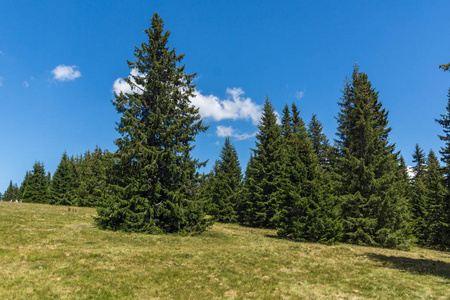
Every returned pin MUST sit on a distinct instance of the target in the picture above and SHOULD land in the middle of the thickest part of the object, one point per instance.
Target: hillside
(55, 252)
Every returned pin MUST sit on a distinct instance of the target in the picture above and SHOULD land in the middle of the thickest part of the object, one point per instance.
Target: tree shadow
(413, 265)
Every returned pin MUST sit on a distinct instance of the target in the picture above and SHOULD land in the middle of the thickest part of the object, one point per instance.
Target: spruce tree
(92, 171)
(435, 230)
(37, 185)
(62, 188)
(419, 195)
(11, 193)
(155, 179)
(264, 180)
(23, 185)
(226, 184)
(308, 211)
(373, 195)
(442, 206)
(319, 141)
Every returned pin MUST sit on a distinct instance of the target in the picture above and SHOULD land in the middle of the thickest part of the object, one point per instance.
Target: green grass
(49, 252)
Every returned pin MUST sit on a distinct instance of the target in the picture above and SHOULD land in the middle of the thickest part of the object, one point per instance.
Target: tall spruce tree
(37, 185)
(307, 211)
(226, 185)
(264, 175)
(442, 206)
(373, 195)
(62, 188)
(155, 178)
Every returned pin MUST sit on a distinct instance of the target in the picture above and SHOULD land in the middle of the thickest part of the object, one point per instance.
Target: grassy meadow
(51, 252)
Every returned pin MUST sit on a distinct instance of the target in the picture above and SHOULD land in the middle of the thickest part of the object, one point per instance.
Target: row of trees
(355, 191)
(78, 181)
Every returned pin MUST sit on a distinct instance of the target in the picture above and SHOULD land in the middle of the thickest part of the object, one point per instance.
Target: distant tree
(92, 172)
(374, 200)
(264, 175)
(62, 187)
(23, 185)
(37, 185)
(11, 193)
(319, 141)
(226, 185)
(155, 180)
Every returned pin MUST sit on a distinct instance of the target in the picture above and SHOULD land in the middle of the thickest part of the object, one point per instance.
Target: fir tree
(37, 185)
(374, 202)
(11, 193)
(226, 185)
(92, 171)
(23, 185)
(435, 231)
(155, 184)
(307, 209)
(62, 187)
(442, 206)
(419, 195)
(264, 174)
(319, 141)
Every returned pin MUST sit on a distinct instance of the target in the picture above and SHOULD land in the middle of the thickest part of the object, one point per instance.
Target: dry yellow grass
(48, 252)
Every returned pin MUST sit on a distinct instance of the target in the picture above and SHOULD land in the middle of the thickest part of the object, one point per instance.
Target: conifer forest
(355, 189)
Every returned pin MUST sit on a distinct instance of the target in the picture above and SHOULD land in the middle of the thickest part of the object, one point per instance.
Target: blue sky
(61, 60)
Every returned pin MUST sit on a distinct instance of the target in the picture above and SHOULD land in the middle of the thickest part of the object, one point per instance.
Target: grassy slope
(50, 252)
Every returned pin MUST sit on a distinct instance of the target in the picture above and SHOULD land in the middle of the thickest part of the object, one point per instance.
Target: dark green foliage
(11, 193)
(23, 185)
(62, 187)
(225, 185)
(373, 194)
(92, 172)
(436, 229)
(307, 210)
(419, 196)
(441, 206)
(319, 142)
(37, 185)
(445, 67)
(264, 181)
(155, 180)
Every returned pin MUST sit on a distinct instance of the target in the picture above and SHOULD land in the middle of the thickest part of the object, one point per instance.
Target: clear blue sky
(59, 61)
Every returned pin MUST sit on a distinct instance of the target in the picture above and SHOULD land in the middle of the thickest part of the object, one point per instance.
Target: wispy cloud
(1, 80)
(66, 73)
(1, 52)
(235, 108)
(224, 131)
(299, 95)
(25, 84)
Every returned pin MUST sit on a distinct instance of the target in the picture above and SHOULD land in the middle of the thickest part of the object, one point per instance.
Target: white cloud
(236, 108)
(299, 95)
(25, 84)
(224, 131)
(1, 52)
(65, 73)
(1, 81)
(410, 172)
(120, 85)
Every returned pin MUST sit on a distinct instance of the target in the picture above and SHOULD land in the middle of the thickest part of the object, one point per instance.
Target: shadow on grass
(413, 265)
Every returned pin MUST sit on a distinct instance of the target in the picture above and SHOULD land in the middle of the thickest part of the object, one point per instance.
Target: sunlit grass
(50, 252)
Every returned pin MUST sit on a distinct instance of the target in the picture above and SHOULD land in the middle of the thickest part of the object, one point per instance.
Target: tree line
(356, 190)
